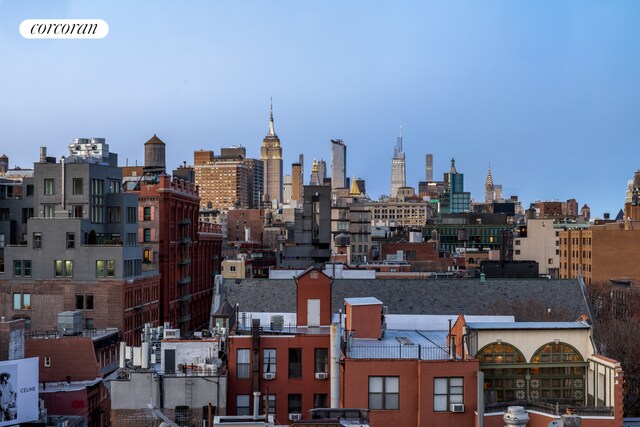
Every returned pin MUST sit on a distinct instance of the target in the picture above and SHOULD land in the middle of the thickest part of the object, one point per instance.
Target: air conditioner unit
(269, 376)
(295, 417)
(322, 375)
(171, 333)
(456, 407)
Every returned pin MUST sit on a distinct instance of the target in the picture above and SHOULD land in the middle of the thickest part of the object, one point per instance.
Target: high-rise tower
(429, 167)
(398, 174)
(271, 156)
(488, 188)
(338, 164)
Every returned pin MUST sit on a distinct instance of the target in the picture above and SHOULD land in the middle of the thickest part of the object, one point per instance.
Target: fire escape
(184, 281)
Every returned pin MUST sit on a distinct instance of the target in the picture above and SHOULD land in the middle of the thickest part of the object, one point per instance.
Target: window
(29, 189)
(49, 187)
(48, 211)
(147, 256)
(79, 302)
(22, 301)
(295, 404)
(131, 215)
(232, 268)
(17, 268)
(71, 240)
(147, 235)
(295, 363)
(269, 361)
(132, 239)
(68, 268)
(517, 251)
(242, 404)
(517, 242)
(100, 268)
(1, 240)
(97, 200)
(37, 240)
(47, 362)
(77, 186)
(88, 323)
(321, 359)
(89, 301)
(320, 401)
(550, 261)
(447, 391)
(272, 404)
(146, 214)
(111, 268)
(384, 393)
(26, 214)
(58, 268)
(115, 186)
(243, 364)
(26, 268)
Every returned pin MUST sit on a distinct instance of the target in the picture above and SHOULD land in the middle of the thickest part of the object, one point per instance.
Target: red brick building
(289, 363)
(185, 252)
(71, 372)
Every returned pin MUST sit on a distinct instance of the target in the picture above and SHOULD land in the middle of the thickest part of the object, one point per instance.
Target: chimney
(256, 404)
(43, 154)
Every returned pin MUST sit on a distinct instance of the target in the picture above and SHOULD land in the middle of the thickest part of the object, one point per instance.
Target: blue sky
(546, 91)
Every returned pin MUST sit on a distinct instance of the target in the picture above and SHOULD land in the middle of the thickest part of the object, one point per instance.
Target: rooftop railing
(286, 329)
(355, 350)
(553, 407)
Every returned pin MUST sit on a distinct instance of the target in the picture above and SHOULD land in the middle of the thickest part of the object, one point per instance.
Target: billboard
(18, 391)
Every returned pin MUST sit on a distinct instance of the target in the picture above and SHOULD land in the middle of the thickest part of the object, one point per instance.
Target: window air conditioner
(322, 375)
(456, 407)
(269, 376)
(295, 417)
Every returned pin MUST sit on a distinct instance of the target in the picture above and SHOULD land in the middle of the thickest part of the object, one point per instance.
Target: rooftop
(528, 325)
(362, 301)
(526, 299)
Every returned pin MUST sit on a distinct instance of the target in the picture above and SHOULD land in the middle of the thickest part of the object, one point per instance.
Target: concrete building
(398, 214)
(82, 243)
(312, 232)
(322, 172)
(539, 242)
(297, 182)
(429, 167)
(338, 164)
(398, 172)
(271, 156)
(180, 380)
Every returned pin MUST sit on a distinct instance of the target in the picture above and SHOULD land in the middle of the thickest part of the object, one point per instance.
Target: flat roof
(362, 301)
(528, 325)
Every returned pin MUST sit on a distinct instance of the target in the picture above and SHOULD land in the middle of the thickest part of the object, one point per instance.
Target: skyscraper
(296, 181)
(398, 174)
(338, 164)
(315, 178)
(322, 171)
(271, 156)
(429, 167)
(488, 187)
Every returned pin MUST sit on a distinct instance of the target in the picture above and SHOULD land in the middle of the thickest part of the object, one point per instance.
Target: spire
(355, 190)
(272, 131)
(453, 166)
(314, 168)
(489, 182)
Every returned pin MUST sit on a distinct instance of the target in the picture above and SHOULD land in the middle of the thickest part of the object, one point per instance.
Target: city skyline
(542, 91)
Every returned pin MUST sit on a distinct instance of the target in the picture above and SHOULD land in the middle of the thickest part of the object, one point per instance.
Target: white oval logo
(64, 29)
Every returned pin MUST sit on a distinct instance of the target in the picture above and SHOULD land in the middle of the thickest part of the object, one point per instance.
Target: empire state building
(271, 156)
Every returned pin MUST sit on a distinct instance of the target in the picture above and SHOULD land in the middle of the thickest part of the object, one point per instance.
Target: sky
(547, 92)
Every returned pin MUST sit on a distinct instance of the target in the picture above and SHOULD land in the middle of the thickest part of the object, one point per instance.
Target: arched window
(557, 374)
(500, 353)
(147, 235)
(504, 372)
(147, 256)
